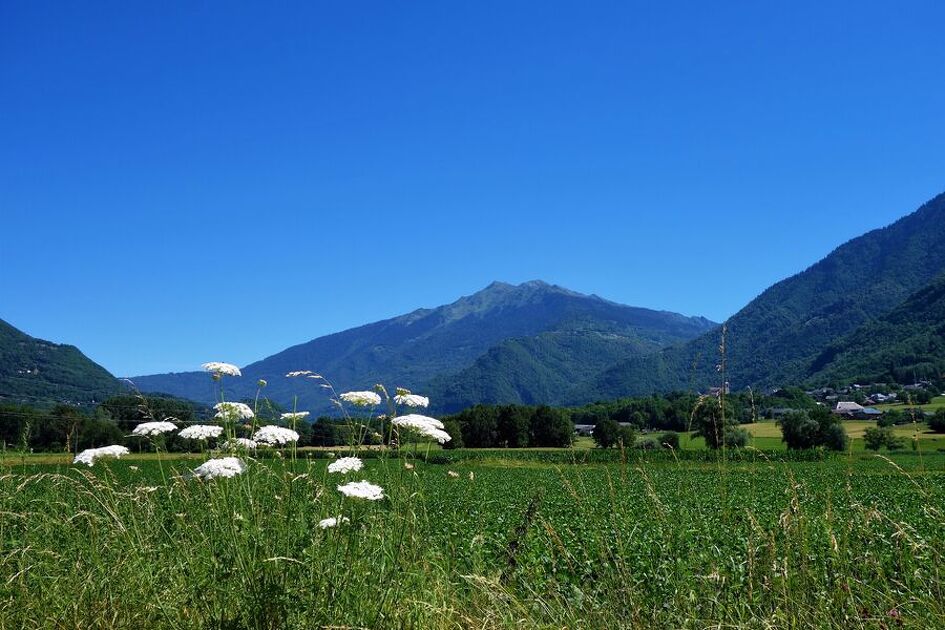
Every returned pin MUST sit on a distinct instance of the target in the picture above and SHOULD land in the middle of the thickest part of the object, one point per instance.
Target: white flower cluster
(218, 368)
(89, 455)
(235, 444)
(201, 432)
(345, 465)
(423, 425)
(233, 411)
(222, 467)
(307, 373)
(362, 490)
(274, 436)
(412, 400)
(333, 521)
(154, 428)
(361, 399)
(294, 415)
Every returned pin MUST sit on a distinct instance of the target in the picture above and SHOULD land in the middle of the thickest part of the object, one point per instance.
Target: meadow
(544, 539)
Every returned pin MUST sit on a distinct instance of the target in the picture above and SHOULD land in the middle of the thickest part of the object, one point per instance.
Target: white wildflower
(201, 432)
(412, 400)
(362, 490)
(294, 415)
(89, 455)
(426, 427)
(234, 444)
(361, 399)
(233, 411)
(273, 435)
(218, 369)
(297, 373)
(222, 467)
(452, 474)
(333, 521)
(345, 465)
(154, 428)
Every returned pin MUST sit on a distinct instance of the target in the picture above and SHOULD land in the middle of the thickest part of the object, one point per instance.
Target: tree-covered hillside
(904, 345)
(36, 371)
(777, 336)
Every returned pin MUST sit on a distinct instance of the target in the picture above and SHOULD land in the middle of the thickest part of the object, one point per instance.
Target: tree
(452, 426)
(606, 433)
(670, 439)
(513, 425)
(735, 437)
(627, 436)
(877, 437)
(812, 428)
(551, 427)
(708, 421)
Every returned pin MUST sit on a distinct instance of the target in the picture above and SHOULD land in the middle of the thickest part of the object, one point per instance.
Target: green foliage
(813, 428)
(669, 439)
(715, 420)
(606, 433)
(877, 437)
(937, 421)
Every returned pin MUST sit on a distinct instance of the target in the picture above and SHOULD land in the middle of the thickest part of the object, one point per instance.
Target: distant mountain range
(874, 309)
(543, 337)
(34, 371)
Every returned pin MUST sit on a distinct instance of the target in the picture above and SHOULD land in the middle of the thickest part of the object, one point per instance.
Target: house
(852, 410)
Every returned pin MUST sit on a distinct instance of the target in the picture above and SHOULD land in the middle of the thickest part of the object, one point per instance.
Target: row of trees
(509, 426)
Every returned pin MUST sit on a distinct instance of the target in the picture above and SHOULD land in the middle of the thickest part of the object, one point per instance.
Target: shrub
(735, 437)
(670, 439)
(937, 422)
(813, 428)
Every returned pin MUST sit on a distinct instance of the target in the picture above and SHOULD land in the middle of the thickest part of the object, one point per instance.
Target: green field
(516, 540)
(937, 403)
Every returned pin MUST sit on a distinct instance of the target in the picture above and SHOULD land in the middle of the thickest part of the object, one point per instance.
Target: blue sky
(206, 182)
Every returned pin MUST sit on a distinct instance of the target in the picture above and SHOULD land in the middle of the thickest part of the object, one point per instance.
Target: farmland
(506, 540)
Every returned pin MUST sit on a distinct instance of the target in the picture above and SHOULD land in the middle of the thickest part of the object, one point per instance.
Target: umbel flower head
(294, 415)
(412, 400)
(333, 521)
(233, 411)
(235, 444)
(308, 373)
(89, 455)
(362, 490)
(345, 465)
(424, 426)
(222, 467)
(275, 436)
(154, 428)
(218, 369)
(201, 432)
(361, 399)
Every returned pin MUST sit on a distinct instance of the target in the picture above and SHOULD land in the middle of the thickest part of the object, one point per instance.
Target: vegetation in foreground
(849, 542)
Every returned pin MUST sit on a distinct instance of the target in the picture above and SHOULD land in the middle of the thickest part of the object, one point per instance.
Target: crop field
(852, 541)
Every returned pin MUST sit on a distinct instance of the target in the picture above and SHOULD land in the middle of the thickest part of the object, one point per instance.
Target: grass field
(851, 542)
(937, 403)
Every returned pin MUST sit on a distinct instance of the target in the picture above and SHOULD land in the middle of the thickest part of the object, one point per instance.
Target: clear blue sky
(209, 182)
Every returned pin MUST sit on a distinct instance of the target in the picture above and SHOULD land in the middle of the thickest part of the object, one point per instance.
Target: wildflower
(452, 474)
(345, 465)
(222, 467)
(412, 400)
(154, 428)
(294, 415)
(261, 383)
(408, 466)
(89, 455)
(233, 411)
(219, 369)
(330, 455)
(426, 427)
(472, 476)
(201, 432)
(273, 435)
(332, 521)
(361, 399)
(362, 490)
(296, 373)
(234, 444)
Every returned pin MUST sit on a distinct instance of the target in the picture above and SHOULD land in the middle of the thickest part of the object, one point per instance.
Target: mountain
(559, 334)
(36, 371)
(905, 344)
(777, 338)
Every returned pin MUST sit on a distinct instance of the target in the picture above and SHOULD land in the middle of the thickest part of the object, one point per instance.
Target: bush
(878, 437)
(670, 439)
(735, 437)
(606, 433)
(937, 422)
